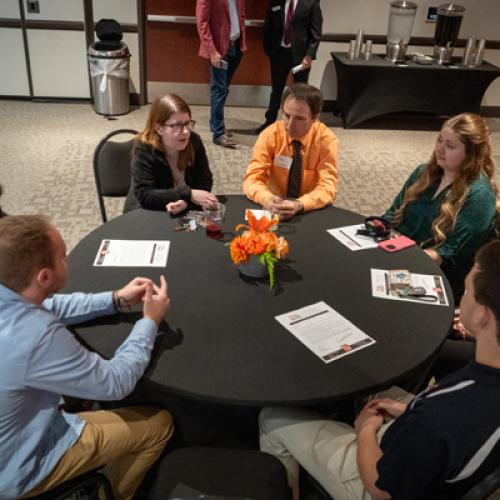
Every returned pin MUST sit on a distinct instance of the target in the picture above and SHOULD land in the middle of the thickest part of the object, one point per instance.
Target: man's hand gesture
(156, 301)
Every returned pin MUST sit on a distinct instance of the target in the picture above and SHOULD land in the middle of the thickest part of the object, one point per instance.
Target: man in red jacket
(221, 27)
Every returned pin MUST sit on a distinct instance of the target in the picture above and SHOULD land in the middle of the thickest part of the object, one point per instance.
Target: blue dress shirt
(40, 361)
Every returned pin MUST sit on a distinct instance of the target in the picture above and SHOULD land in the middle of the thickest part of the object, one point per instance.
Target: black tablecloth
(376, 87)
(222, 342)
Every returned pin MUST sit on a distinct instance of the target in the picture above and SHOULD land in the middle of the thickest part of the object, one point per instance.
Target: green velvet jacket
(475, 223)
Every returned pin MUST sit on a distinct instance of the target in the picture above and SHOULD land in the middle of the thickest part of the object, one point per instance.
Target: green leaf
(269, 260)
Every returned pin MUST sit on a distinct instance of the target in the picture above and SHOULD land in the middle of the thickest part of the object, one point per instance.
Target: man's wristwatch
(301, 206)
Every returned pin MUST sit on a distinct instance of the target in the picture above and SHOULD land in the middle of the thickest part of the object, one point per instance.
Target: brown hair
(487, 278)
(161, 110)
(474, 134)
(25, 248)
(307, 93)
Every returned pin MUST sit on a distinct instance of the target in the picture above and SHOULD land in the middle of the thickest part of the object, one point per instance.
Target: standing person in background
(291, 38)
(221, 27)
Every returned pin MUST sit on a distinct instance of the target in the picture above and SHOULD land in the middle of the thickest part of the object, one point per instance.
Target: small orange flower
(257, 239)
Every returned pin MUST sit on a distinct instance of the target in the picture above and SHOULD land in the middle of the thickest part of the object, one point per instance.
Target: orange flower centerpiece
(258, 243)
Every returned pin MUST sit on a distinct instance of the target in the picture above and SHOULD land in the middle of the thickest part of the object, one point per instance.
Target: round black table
(221, 342)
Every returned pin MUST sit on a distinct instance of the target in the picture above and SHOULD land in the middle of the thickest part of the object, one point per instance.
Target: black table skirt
(221, 342)
(372, 88)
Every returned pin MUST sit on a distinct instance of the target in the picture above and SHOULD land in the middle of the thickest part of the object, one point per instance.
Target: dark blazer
(152, 185)
(306, 28)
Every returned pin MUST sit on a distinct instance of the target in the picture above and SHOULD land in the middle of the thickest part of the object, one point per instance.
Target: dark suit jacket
(306, 28)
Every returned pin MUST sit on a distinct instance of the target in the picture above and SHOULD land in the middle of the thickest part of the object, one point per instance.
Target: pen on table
(349, 238)
(153, 254)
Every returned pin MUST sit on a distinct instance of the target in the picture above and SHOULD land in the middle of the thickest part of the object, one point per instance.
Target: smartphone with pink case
(395, 244)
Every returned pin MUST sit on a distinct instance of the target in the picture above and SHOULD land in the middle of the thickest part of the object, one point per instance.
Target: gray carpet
(46, 158)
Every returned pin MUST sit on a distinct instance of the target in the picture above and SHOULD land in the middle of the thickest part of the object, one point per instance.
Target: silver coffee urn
(401, 19)
(449, 19)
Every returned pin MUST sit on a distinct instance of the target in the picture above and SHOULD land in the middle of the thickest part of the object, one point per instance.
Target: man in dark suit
(291, 37)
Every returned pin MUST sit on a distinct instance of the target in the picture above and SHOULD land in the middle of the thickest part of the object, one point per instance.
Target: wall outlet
(431, 15)
(33, 6)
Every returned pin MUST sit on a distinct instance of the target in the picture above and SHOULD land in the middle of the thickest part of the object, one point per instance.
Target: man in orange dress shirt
(294, 164)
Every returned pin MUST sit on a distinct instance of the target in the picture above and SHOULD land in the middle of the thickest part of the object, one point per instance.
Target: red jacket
(214, 26)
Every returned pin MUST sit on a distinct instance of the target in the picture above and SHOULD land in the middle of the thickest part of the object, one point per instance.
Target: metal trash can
(109, 65)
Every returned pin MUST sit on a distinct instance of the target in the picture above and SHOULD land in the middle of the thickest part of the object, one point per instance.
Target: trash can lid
(109, 30)
(105, 50)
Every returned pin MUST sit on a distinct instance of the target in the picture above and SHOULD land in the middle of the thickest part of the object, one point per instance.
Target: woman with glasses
(169, 164)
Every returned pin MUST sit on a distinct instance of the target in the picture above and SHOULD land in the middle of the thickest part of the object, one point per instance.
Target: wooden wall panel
(254, 9)
(172, 48)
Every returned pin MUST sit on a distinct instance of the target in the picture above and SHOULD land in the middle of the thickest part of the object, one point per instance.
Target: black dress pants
(281, 64)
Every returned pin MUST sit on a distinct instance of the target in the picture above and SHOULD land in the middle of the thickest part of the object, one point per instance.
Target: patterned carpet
(47, 148)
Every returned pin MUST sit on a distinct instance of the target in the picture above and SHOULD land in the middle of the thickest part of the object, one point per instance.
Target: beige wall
(347, 16)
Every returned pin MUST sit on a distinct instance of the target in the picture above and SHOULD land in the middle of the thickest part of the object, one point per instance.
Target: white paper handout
(259, 213)
(132, 253)
(432, 285)
(324, 331)
(348, 237)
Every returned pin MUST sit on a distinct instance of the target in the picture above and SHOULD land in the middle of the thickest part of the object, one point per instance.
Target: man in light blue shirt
(41, 446)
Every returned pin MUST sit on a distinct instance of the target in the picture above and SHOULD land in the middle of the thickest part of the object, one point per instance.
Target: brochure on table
(259, 213)
(132, 253)
(433, 285)
(348, 237)
(324, 331)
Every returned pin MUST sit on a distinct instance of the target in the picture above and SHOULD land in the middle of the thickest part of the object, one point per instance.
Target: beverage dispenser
(401, 19)
(449, 19)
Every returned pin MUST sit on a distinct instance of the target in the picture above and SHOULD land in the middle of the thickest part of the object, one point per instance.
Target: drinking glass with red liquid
(214, 218)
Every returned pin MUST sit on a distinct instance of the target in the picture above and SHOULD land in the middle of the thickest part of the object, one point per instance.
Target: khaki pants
(129, 440)
(326, 449)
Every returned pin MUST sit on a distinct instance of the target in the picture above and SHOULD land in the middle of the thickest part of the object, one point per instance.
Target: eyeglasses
(178, 127)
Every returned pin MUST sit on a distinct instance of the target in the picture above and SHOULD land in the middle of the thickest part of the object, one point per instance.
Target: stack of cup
(481, 45)
(367, 53)
(352, 50)
(469, 51)
(358, 44)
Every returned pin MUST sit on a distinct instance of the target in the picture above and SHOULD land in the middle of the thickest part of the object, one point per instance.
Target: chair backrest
(112, 167)
(486, 487)
(87, 486)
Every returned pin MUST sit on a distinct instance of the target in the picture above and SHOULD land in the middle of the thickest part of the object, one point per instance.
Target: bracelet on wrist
(120, 304)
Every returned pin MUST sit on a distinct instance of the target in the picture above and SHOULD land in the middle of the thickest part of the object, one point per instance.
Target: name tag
(283, 162)
(276, 8)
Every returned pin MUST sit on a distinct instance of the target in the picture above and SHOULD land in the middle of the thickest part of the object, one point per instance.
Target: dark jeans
(220, 79)
(281, 64)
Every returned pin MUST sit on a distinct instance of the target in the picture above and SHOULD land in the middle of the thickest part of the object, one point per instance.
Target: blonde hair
(472, 131)
(161, 110)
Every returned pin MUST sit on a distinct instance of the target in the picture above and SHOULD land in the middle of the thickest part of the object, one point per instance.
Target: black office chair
(486, 487)
(112, 167)
(84, 486)
(198, 472)
(480, 491)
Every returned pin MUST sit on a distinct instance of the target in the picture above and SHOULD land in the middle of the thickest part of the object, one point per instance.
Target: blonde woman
(170, 168)
(448, 205)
